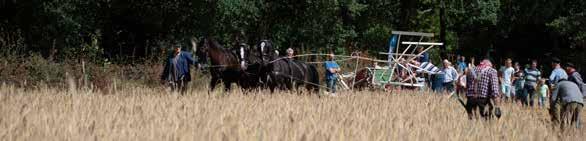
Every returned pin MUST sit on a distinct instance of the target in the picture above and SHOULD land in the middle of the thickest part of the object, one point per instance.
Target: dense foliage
(123, 30)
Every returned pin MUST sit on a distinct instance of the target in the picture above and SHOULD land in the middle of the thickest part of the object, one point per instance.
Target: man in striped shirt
(532, 74)
(483, 86)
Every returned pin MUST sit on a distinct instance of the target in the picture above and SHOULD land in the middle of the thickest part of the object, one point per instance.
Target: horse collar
(262, 46)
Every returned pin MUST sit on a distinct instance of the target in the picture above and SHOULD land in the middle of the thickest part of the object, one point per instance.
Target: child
(543, 92)
(462, 82)
(519, 84)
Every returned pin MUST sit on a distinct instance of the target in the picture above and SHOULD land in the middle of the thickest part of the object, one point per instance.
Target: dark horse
(283, 73)
(225, 65)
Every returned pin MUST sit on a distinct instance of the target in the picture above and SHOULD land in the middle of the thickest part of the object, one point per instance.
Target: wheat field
(145, 113)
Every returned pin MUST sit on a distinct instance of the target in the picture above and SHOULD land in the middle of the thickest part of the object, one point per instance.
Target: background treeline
(141, 31)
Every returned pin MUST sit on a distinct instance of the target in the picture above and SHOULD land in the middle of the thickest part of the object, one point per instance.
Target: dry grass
(141, 113)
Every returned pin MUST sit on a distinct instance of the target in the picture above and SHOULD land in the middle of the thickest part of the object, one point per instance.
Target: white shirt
(508, 75)
(450, 74)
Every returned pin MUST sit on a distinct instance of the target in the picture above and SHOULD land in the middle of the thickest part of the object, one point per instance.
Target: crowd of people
(529, 86)
(482, 84)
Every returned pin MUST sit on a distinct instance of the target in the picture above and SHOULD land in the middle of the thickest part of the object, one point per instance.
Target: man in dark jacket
(575, 77)
(176, 71)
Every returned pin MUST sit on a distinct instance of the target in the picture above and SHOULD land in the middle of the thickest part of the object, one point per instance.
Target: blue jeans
(506, 90)
(437, 83)
(542, 101)
(331, 85)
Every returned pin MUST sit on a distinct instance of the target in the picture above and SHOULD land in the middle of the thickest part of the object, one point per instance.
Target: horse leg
(213, 84)
(227, 86)
(299, 86)
(289, 84)
(272, 88)
(244, 87)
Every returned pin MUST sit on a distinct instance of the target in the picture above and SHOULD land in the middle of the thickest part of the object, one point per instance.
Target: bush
(40, 70)
(35, 71)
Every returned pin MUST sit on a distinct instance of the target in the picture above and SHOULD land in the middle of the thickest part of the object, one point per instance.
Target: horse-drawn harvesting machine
(402, 67)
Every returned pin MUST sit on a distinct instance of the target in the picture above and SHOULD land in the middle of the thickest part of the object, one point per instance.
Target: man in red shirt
(482, 87)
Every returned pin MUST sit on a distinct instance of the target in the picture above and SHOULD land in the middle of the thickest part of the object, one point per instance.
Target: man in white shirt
(507, 80)
(450, 76)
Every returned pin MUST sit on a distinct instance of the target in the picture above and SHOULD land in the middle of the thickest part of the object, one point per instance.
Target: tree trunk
(442, 17)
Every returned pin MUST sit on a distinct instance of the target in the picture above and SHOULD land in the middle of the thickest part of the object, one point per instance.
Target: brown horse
(224, 65)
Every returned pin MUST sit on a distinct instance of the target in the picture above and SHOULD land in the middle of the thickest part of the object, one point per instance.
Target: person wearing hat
(575, 77)
(176, 71)
(450, 76)
(558, 73)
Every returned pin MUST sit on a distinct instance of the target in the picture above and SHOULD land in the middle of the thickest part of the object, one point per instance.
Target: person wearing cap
(450, 76)
(575, 77)
(332, 69)
(176, 71)
(567, 96)
(558, 73)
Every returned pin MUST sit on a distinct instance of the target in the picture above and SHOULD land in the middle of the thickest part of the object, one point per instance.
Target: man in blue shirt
(176, 71)
(462, 64)
(332, 68)
(558, 73)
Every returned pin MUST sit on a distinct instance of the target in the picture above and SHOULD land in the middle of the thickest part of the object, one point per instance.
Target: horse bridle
(262, 50)
(242, 57)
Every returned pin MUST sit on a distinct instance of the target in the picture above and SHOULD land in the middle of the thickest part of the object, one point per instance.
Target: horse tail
(314, 77)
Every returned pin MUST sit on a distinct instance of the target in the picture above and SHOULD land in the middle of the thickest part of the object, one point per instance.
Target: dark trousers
(476, 107)
(448, 87)
(521, 96)
(530, 93)
(179, 86)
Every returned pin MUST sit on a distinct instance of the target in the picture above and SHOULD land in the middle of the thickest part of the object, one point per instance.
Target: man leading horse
(176, 72)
